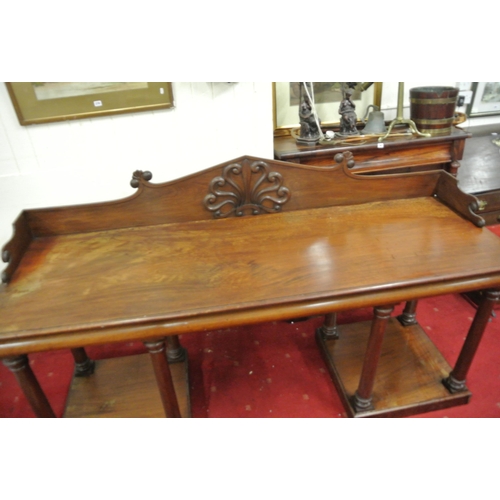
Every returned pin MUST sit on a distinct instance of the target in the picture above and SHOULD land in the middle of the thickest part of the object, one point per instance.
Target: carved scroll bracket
(14, 249)
(245, 189)
(347, 156)
(138, 176)
(467, 205)
(6, 256)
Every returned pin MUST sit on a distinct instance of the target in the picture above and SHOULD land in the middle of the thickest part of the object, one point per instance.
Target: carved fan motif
(246, 189)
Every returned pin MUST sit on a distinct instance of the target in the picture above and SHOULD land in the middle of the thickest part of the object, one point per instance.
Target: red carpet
(276, 370)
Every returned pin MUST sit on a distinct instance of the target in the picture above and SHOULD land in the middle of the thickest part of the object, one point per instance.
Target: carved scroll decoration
(248, 189)
(139, 175)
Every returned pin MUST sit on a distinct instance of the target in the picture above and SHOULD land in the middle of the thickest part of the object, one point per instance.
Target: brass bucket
(433, 109)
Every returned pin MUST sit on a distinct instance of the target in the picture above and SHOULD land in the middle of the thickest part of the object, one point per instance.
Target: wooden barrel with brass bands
(433, 109)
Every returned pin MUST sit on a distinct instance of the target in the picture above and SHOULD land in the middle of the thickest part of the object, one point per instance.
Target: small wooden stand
(410, 372)
(125, 387)
(401, 153)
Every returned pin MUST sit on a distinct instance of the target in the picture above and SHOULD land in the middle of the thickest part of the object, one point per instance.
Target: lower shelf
(409, 374)
(125, 387)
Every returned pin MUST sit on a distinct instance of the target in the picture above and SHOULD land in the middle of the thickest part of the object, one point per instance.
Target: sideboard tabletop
(179, 276)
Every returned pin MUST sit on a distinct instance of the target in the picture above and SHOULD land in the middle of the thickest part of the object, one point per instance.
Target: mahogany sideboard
(398, 153)
(245, 242)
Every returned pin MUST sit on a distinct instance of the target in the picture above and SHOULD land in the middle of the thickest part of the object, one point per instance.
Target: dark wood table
(398, 153)
(245, 242)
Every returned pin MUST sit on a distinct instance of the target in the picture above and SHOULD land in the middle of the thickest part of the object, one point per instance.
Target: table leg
(454, 166)
(26, 379)
(362, 399)
(409, 315)
(328, 330)
(175, 352)
(157, 351)
(84, 366)
(456, 380)
(457, 153)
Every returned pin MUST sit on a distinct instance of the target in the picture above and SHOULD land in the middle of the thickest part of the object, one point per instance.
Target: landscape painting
(58, 90)
(43, 102)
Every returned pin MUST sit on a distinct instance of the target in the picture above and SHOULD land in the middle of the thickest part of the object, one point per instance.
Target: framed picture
(485, 99)
(42, 102)
(327, 97)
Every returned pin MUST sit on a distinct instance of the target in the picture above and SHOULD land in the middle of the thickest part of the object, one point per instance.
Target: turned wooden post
(454, 166)
(328, 329)
(457, 152)
(157, 351)
(409, 315)
(175, 352)
(362, 399)
(84, 366)
(456, 380)
(19, 366)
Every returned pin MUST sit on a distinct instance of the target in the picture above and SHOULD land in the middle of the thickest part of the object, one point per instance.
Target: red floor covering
(276, 370)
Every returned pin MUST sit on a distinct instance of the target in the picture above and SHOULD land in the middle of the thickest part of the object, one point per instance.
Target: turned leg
(456, 380)
(84, 366)
(454, 166)
(362, 399)
(328, 329)
(157, 350)
(26, 379)
(175, 352)
(457, 153)
(409, 315)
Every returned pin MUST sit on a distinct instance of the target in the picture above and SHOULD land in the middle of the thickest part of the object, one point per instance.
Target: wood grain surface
(400, 152)
(160, 273)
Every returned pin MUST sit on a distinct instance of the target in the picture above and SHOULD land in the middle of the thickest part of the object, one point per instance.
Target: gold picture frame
(286, 111)
(44, 102)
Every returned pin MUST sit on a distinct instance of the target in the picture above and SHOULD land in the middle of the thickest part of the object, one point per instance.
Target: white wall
(90, 160)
